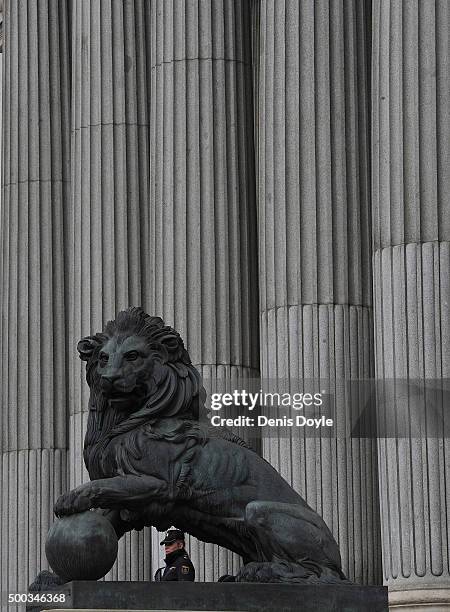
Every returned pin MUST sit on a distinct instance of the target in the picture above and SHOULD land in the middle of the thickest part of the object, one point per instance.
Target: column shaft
(203, 217)
(36, 158)
(109, 223)
(314, 253)
(411, 232)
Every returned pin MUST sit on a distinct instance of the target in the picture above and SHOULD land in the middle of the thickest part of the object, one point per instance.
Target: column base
(420, 600)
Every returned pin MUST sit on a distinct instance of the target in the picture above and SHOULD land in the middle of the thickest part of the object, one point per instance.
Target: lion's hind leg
(294, 545)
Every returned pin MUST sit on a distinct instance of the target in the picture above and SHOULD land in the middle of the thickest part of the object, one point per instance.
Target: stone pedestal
(221, 597)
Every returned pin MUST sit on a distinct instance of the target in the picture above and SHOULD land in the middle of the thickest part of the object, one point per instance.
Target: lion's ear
(88, 345)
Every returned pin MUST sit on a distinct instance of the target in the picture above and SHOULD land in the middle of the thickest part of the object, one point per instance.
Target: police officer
(178, 564)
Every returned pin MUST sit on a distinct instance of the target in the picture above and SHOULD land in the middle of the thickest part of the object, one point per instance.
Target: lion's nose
(110, 378)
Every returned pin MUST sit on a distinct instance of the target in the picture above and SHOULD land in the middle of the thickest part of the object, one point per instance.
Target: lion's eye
(131, 356)
(103, 357)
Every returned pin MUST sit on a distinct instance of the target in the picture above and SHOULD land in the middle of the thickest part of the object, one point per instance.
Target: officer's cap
(172, 536)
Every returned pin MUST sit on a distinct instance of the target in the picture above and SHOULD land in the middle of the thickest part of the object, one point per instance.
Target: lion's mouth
(115, 393)
(124, 395)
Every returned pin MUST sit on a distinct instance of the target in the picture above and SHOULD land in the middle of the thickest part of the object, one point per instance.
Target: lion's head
(138, 371)
(139, 365)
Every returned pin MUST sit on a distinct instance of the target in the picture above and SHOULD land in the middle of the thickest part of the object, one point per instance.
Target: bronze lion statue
(154, 459)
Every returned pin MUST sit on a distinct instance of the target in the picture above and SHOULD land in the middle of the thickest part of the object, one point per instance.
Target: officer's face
(170, 548)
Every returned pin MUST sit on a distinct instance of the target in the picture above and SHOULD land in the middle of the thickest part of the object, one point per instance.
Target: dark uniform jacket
(178, 567)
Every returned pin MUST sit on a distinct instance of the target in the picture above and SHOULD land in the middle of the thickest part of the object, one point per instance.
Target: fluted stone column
(109, 222)
(203, 247)
(35, 156)
(315, 255)
(411, 232)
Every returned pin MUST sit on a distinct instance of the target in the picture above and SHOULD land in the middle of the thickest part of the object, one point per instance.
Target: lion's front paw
(77, 500)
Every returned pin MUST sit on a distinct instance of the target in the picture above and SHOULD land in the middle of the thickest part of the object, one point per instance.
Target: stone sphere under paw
(81, 546)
